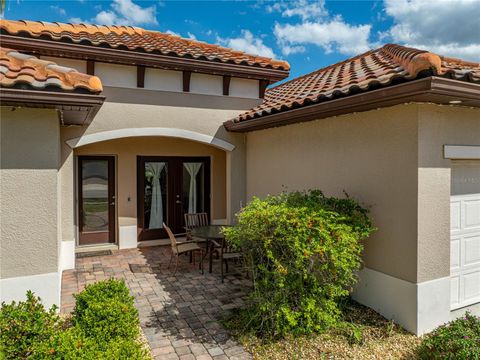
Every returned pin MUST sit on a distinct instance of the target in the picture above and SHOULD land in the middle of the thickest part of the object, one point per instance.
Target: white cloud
(124, 12)
(191, 36)
(75, 20)
(171, 32)
(452, 28)
(289, 50)
(107, 18)
(58, 10)
(317, 27)
(331, 35)
(305, 9)
(248, 43)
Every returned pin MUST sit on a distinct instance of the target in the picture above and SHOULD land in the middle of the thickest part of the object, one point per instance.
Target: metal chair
(179, 248)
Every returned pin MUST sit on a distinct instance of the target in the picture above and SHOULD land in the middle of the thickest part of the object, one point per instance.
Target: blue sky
(308, 34)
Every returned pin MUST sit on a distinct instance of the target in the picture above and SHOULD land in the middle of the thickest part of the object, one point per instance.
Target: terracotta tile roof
(385, 66)
(19, 70)
(136, 39)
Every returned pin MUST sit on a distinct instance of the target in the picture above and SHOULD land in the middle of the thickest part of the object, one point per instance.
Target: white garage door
(465, 234)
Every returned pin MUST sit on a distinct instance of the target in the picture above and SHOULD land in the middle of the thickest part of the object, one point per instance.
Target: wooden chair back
(196, 220)
(173, 240)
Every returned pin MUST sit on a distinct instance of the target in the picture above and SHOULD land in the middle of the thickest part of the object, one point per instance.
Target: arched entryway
(156, 179)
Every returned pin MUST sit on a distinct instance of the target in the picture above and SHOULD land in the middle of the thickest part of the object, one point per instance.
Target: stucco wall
(28, 191)
(161, 79)
(370, 155)
(439, 126)
(391, 160)
(127, 109)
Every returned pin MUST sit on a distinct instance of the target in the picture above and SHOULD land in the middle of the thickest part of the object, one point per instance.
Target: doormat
(93, 253)
(140, 268)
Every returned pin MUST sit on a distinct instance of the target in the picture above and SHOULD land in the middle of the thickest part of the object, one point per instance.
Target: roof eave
(431, 89)
(72, 50)
(77, 109)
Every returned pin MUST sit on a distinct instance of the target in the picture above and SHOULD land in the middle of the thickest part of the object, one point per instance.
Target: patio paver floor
(179, 314)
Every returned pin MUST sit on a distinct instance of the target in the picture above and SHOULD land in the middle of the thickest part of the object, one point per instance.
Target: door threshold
(89, 248)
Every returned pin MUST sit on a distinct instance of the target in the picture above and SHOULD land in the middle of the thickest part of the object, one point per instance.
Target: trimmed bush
(105, 311)
(302, 250)
(459, 339)
(24, 323)
(104, 325)
(75, 344)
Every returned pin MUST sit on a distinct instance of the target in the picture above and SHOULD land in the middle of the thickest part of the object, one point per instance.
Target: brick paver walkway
(180, 315)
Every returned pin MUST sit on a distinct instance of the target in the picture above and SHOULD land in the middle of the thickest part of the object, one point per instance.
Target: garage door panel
(455, 254)
(472, 214)
(455, 219)
(471, 286)
(472, 250)
(465, 234)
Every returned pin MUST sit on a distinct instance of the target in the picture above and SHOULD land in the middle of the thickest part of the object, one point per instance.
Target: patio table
(210, 233)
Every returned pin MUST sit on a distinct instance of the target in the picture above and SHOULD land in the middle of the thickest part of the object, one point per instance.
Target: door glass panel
(155, 201)
(193, 187)
(95, 195)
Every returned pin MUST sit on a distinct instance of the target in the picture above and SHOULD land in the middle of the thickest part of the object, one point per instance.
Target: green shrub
(104, 325)
(302, 250)
(75, 344)
(459, 339)
(24, 323)
(105, 310)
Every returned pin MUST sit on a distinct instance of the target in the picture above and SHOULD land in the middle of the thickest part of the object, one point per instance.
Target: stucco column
(29, 204)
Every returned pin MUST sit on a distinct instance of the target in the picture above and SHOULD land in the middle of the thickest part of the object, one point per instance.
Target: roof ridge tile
(414, 60)
(375, 68)
(157, 41)
(16, 67)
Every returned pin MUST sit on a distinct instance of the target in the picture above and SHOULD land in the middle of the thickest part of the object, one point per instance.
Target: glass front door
(96, 194)
(169, 187)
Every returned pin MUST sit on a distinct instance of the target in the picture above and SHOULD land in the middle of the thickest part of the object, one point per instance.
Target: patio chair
(179, 248)
(227, 254)
(193, 221)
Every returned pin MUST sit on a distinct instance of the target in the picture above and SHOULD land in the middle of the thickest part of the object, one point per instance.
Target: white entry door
(465, 234)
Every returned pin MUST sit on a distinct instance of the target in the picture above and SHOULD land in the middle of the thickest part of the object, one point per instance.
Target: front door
(96, 199)
(167, 188)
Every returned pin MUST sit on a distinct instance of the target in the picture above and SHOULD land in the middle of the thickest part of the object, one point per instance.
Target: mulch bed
(380, 339)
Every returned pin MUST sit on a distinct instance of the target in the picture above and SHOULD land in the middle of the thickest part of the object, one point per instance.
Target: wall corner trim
(466, 152)
(150, 131)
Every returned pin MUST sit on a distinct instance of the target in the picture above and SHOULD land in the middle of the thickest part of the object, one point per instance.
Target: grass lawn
(376, 338)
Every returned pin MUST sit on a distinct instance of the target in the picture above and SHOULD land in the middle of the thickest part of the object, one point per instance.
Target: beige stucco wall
(29, 157)
(391, 160)
(439, 126)
(127, 109)
(370, 155)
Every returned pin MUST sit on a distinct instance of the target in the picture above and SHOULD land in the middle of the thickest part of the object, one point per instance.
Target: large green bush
(104, 325)
(302, 250)
(459, 339)
(23, 324)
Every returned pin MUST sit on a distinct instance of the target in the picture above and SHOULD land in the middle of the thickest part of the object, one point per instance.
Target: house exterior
(79, 158)
(106, 132)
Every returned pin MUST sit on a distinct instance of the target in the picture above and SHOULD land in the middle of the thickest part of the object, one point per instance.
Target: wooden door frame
(173, 187)
(112, 215)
